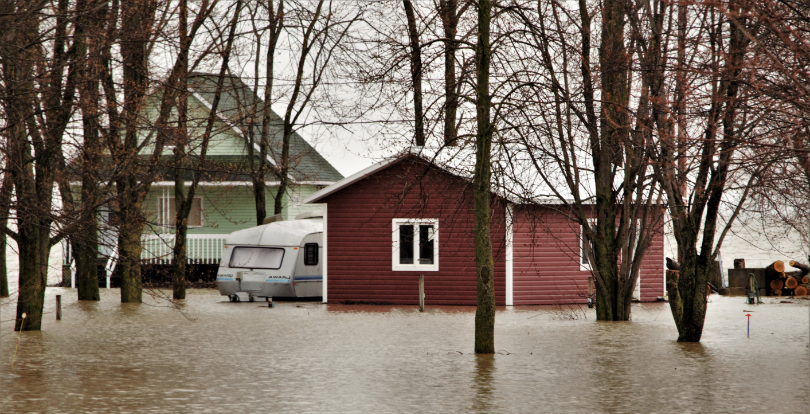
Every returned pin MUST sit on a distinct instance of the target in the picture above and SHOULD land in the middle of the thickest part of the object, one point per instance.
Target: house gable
(359, 236)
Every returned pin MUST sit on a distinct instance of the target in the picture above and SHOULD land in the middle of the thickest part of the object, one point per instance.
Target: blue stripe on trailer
(224, 278)
(303, 278)
(278, 280)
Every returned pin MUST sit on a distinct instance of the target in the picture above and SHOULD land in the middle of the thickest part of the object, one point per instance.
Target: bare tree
(5, 203)
(133, 179)
(570, 141)
(482, 182)
(39, 78)
(416, 74)
(183, 197)
(258, 163)
(90, 27)
(695, 215)
(314, 32)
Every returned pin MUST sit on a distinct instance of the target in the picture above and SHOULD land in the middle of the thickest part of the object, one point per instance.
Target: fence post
(58, 307)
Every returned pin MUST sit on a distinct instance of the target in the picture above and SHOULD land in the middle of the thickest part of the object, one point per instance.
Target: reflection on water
(484, 370)
(307, 357)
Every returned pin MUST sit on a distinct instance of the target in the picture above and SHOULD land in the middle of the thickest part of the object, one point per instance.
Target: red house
(403, 217)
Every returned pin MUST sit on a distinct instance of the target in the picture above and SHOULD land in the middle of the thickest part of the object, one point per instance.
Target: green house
(224, 200)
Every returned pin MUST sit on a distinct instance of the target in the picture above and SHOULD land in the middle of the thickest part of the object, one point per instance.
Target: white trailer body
(280, 259)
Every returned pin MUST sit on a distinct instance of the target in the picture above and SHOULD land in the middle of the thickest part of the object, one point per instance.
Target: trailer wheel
(250, 298)
(236, 298)
(230, 298)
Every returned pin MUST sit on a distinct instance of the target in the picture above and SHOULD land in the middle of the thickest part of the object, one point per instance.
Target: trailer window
(256, 257)
(311, 254)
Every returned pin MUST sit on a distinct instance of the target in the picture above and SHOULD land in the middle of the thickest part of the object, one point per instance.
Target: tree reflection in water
(484, 370)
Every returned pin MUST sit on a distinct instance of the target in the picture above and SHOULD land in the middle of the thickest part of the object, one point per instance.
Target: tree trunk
(694, 276)
(695, 267)
(5, 202)
(136, 32)
(85, 242)
(129, 254)
(675, 302)
(416, 74)
(185, 202)
(34, 251)
(182, 206)
(611, 305)
(179, 260)
(276, 19)
(260, 200)
(485, 308)
(447, 10)
(85, 254)
(284, 168)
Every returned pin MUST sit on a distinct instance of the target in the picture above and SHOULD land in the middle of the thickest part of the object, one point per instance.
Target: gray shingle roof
(237, 104)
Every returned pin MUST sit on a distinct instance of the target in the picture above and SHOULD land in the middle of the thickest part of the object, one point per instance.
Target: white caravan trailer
(279, 259)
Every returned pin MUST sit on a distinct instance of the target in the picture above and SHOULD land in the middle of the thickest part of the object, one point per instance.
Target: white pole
(325, 256)
(509, 259)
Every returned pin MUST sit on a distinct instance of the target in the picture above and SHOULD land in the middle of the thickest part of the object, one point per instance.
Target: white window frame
(416, 266)
(585, 267)
(168, 222)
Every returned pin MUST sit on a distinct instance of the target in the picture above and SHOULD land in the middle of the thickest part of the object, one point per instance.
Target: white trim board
(509, 261)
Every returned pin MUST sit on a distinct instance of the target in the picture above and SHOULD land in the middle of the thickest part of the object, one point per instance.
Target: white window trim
(395, 265)
(585, 267)
(168, 222)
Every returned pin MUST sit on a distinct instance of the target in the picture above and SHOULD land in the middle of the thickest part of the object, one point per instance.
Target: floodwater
(308, 357)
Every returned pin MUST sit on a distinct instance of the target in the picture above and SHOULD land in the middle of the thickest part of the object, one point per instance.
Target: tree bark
(5, 203)
(35, 148)
(185, 202)
(290, 117)
(85, 241)
(695, 267)
(182, 207)
(416, 74)
(129, 254)
(259, 172)
(447, 11)
(485, 307)
(614, 131)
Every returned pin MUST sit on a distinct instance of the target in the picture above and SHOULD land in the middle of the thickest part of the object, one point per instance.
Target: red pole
(749, 324)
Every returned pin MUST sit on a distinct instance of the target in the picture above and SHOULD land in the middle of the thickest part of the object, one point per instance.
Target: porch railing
(157, 249)
(200, 248)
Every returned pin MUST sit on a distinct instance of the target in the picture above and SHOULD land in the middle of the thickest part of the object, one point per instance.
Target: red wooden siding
(652, 269)
(546, 257)
(359, 237)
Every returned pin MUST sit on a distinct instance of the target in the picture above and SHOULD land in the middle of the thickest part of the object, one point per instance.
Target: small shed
(405, 217)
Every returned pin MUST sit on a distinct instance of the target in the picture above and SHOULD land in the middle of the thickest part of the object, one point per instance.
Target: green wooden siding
(225, 210)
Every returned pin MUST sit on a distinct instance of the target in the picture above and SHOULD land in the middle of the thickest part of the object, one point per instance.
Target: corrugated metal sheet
(359, 237)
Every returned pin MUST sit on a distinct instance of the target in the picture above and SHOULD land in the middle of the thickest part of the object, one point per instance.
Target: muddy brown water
(217, 356)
